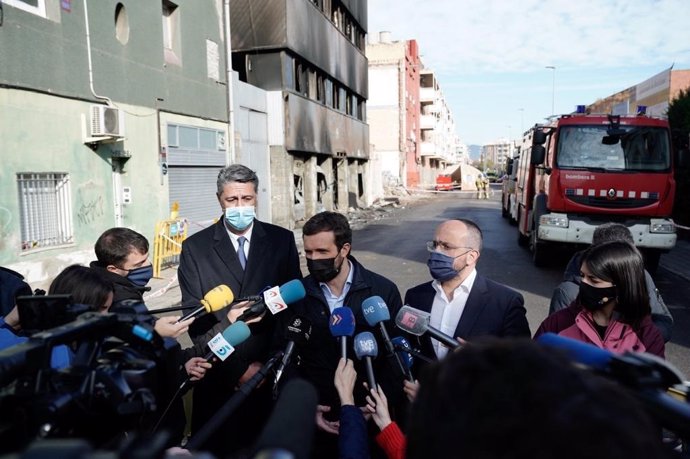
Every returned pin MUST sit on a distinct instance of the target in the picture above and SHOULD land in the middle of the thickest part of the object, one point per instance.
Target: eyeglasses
(432, 246)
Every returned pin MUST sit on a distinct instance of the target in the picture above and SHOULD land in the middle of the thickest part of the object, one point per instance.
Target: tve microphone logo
(220, 347)
(367, 345)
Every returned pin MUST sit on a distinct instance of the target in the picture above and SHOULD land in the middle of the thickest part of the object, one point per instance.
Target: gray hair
(608, 232)
(237, 173)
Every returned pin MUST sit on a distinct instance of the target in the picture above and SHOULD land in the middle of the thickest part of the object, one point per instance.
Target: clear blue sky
(490, 55)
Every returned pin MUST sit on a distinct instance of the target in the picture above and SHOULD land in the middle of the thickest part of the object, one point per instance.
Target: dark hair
(236, 173)
(621, 264)
(115, 244)
(511, 398)
(330, 221)
(474, 237)
(84, 284)
(607, 232)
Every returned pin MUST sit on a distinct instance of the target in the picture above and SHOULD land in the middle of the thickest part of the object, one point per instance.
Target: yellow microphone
(214, 300)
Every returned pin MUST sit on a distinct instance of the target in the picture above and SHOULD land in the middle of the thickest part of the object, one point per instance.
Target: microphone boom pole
(232, 404)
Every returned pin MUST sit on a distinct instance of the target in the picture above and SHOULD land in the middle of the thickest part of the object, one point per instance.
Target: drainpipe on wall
(229, 79)
(88, 54)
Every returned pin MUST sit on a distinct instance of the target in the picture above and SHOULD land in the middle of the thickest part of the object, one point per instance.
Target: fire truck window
(647, 150)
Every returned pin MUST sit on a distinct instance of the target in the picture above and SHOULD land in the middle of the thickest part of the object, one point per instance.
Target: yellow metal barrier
(167, 243)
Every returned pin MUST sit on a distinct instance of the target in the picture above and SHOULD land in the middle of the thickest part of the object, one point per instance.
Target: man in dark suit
(463, 303)
(247, 255)
(337, 279)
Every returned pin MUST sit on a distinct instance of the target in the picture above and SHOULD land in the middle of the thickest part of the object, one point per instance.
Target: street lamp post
(553, 87)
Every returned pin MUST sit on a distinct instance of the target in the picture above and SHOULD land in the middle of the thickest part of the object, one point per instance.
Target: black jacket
(492, 309)
(12, 285)
(318, 359)
(208, 259)
(124, 290)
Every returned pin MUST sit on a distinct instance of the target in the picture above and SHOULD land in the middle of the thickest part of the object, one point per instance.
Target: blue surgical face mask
(239, 218)
(441, 266)
(140, 276)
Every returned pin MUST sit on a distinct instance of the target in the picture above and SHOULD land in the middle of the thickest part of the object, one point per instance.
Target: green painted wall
(50, 54)
(45, 100)
(38, 136)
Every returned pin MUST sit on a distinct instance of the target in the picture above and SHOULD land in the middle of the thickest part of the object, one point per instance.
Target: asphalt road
(395, 248)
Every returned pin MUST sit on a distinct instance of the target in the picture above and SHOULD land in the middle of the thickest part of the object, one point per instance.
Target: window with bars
(37, 7)
(45, 209)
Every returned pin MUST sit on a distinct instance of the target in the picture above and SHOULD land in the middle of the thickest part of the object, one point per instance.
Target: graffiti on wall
(90, 208)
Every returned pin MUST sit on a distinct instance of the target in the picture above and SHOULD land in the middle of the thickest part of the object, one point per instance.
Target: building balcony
(427, 94)
(427, 149)
(427, 122)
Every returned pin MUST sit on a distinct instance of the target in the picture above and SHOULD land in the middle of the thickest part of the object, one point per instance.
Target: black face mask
(323, 270)
(593, 298)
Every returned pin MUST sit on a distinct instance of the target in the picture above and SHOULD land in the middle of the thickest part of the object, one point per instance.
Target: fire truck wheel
(538, 250)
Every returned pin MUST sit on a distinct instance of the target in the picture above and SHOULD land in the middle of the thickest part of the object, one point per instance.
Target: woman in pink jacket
(612, 309)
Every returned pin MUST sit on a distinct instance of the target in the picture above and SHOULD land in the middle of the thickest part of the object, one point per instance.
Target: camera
(120, 376)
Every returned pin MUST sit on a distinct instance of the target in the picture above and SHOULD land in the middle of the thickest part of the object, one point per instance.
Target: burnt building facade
(308, 55)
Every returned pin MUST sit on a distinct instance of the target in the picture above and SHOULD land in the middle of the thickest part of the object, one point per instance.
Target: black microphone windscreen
(291, 425)
(298, 330)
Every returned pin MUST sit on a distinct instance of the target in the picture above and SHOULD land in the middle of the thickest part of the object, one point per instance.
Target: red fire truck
(580, 171)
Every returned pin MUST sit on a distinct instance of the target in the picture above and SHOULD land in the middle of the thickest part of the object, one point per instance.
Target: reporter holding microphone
(122, 259)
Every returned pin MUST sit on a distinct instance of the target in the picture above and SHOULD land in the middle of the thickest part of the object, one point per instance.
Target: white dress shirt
(337, 301)
(446, 314)
(248, 236)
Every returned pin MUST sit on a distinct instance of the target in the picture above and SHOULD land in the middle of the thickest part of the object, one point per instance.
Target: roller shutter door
(194, 188)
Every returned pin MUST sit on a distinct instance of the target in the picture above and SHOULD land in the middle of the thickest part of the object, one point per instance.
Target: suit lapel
(226, 252)
(473, 308)
(258, 247)
(423, 301)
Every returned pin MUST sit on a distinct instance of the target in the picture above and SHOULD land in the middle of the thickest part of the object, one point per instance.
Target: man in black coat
(335, 280)
(464, 304)
(247, 255)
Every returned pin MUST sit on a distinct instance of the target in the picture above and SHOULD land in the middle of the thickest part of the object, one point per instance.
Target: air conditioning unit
(107, 121)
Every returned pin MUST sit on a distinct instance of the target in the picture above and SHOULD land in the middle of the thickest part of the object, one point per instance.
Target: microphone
(631, 368)
(404, 351)
(403, 346)
(375, 312)
(289, 431)
(215, 300)
(297, 332)
(416, 322)
(365, 347)
(275, 299)
(223, 344)
(342, 325)
(172, 309)
(655, 382)
(225, 411)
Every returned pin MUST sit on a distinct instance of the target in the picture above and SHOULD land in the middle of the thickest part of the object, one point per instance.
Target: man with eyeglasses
(464, 304)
